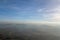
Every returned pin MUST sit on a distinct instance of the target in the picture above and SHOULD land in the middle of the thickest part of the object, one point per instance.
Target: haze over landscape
(29, 19)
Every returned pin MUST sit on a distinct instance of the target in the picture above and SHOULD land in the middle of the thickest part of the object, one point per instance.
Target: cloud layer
(52, 10)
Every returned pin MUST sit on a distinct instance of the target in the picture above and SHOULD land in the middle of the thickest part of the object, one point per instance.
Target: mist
(28, 31)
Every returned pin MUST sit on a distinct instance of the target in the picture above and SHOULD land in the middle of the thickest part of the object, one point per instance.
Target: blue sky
(30, 10)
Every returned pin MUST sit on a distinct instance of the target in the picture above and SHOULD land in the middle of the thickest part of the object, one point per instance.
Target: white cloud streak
(52, 11)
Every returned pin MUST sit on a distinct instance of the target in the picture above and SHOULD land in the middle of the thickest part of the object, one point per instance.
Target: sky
(30, 10)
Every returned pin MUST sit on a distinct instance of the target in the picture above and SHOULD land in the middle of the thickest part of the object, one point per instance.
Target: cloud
(51, 11)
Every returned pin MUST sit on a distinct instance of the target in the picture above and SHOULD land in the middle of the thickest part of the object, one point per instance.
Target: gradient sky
(25, 10)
